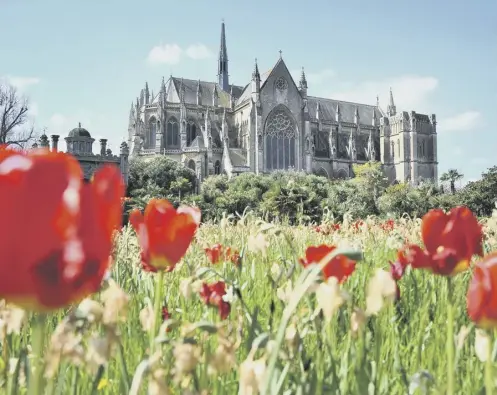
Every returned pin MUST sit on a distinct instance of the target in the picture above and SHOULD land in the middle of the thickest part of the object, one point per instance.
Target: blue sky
(86, 61)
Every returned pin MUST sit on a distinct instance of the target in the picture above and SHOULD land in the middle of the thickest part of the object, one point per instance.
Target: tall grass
(401, 350)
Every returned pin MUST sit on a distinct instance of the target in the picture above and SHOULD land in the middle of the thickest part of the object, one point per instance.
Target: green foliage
(480, 196)
(159, 176)
(296, 197)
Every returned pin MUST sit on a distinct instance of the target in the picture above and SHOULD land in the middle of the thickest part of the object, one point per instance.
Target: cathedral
(272, 123)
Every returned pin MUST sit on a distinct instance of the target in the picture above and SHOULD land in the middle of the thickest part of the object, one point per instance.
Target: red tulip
(450, 242)
(56, 231)
(164, 233)
(340, 266)
(481, 298)
(212, 295)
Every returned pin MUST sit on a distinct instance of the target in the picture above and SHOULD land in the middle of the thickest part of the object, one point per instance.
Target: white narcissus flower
(252, 374)
(229, 296)
(330, 297)
(461, 337)
(186, 287)
(257, 244)
(147, 317)
(482, 345)
(357, 320)
(382, 289)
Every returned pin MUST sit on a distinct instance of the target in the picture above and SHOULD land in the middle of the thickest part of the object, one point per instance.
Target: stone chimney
(55, 142)
(103, 147)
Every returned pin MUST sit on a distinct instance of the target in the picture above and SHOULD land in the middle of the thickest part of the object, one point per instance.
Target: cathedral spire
(303, 80)
(222, 70)
(255, 73)
(163, 85)
(147, 94)
(391, 109)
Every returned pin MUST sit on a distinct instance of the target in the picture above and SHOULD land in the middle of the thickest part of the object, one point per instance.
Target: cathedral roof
(328, 108)
(190, 88)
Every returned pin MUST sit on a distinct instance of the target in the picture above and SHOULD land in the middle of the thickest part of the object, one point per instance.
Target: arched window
(280, 134)
(217, 167)
(342, 174)
(191, 164)
(191, 132)
(322, 173)
(172, 133)
(392, 150)
(152, 130)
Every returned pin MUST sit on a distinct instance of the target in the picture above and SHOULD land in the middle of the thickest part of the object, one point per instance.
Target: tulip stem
(159, 287)
(489, 384)
(450, 339)
(38, 344)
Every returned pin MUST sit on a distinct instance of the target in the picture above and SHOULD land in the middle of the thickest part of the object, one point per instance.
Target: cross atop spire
(281, 52)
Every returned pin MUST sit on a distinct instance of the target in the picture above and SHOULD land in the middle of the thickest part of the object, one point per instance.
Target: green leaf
(260, 341)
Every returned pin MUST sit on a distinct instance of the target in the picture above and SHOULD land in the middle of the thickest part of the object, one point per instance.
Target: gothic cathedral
(273, 124)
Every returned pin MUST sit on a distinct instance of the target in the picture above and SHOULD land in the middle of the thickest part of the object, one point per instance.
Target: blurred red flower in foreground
(164, 233)
(212, 295)
(340, 267)
(481, 299)
(450, 242)
(56, 231)
(218, 253)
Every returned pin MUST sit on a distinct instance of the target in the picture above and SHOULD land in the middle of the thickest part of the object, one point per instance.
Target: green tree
(480, 196)
(451, 176)
(159, 176)
(371, 179)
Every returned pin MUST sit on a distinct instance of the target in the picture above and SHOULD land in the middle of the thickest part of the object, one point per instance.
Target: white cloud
(22, 83)
(410, 92)
(198, 52)
(173, 53)
(464, 121)
(165, 54)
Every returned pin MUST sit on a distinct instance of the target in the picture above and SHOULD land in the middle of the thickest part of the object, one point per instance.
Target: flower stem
(489, 384)
(159, 286)
(38, 343)
(450, 339)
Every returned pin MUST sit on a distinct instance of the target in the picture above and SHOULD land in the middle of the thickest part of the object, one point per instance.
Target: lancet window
(172, 133)
(280, 135)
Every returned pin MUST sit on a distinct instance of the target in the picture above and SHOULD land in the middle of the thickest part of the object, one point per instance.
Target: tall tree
(451, 176)
(13, 118)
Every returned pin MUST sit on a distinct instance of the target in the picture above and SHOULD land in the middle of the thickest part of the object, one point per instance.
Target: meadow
(275, 327)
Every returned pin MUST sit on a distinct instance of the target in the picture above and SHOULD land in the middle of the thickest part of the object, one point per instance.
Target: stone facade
(79, 144)
(273, 124)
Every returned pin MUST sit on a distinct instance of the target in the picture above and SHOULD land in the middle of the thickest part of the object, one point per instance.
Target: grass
(401, 350)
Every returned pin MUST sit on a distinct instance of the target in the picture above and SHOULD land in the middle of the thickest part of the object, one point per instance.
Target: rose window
(281, 84)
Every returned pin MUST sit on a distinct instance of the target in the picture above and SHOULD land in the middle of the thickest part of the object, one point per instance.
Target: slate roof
(207, 88)
(247, 91)
(237, 159)
(347, 110)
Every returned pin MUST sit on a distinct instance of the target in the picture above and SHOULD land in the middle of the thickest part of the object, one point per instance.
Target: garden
(245, 302)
